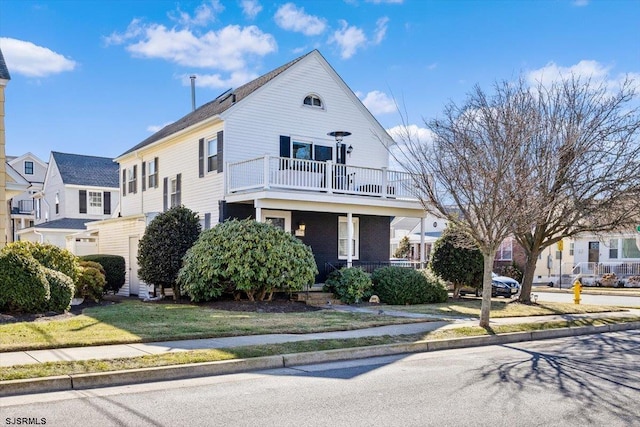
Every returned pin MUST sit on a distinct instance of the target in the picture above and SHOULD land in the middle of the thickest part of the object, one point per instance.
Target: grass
(199, 356)
(133, 321)
(500, 308)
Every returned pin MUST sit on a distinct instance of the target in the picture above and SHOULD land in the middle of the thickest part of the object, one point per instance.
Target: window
(343, 236)
(301, 150)
(132, 173)
(212, 155)
(152, 167)
(173, 191)
(505, 251)
(572, 247)
(57, 203)
(313, 101)
(630, 249)
(94, 202)
(28, 168)
(613, 249)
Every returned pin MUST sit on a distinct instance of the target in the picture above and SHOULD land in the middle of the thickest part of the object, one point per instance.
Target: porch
(284, 173)
(616, 274)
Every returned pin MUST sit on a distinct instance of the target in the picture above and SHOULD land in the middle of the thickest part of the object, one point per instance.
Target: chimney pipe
(193, 92)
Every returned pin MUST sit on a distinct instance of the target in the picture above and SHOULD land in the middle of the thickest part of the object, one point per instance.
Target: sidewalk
(142, 349)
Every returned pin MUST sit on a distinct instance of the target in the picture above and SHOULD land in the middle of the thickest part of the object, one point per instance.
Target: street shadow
(601, 372)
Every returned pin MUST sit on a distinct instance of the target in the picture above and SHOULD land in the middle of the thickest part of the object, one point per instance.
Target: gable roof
(4, 71)
(65, 224)
(217, 106)
(87, 170)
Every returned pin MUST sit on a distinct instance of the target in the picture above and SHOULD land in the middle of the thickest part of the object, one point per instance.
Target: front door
(594, 252)
(134, 283)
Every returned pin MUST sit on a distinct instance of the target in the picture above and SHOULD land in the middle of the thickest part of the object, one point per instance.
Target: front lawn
(132, 321)
(500, 308)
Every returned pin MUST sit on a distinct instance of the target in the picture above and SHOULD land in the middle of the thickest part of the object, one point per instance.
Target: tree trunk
(527, 278)
(456, 290)
(485, 309)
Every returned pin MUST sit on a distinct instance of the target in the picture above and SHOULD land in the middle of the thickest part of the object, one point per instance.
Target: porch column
(349, 239)
(258, 214)
(422, 245)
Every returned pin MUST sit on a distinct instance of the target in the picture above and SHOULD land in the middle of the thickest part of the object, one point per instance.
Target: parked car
(502, 286)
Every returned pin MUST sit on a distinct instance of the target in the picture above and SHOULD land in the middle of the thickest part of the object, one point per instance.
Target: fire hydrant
(577, 290)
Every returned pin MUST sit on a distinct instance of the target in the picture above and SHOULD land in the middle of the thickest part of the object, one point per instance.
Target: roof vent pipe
(193, 92)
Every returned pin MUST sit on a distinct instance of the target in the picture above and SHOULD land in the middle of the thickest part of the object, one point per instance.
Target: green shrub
(93, 264)
(349, 284)
(48, 255)
(245, 256)
(164, 244)
(114, 269)
(399, 286)
(61, 288)
(90, 284)
(456, 260)
(23, 284)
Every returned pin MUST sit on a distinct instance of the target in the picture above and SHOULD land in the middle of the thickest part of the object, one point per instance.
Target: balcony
(283, 173)
(24, 207)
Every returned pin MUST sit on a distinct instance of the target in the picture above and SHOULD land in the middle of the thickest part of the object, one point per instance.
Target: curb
(193, 370)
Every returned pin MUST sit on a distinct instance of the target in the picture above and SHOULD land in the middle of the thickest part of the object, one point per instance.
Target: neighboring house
(510, 251)
(295, 147)
(410, 227)
(4, 79)
(77, 189)
(22, 212)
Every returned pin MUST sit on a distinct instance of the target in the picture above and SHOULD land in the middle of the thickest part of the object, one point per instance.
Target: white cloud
(412, 132)
(580, 3)
(349, 39)
(381, 30)
(31, 60)
(203, 15)
(251, 8)
(378, 102)
(289, 17)
(156, 128)
(225, 49)
(217, 81)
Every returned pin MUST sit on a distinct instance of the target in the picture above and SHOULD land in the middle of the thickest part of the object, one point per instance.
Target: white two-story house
(22, 211)
(295, 147)
(77, 189)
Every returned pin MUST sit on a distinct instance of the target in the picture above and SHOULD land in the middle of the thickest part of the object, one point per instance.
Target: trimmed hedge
(114, 270)
(349, 284)
(400, 286)
(61, 288)
(23, 284)
(90, 284)
(48, 255)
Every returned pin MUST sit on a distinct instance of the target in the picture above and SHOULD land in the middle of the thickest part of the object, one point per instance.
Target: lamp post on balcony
(339, 135)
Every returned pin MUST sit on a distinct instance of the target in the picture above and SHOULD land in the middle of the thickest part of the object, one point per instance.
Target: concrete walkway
(133, 350)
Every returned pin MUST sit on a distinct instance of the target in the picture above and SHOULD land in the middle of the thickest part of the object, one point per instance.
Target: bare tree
(471, 172)
(585, 160)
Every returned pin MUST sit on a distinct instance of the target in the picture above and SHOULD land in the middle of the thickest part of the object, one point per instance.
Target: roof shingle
(4, 71)
(94, 171)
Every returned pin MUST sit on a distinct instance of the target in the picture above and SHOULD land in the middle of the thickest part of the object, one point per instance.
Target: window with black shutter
(107, 203)
(82, 201)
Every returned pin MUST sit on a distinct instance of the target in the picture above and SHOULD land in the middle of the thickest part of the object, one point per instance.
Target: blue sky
(97, 77)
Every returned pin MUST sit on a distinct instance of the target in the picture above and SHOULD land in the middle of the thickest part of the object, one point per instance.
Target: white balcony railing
(268, 172)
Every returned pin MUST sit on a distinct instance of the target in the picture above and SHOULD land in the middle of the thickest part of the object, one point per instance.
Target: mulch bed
(280, 304)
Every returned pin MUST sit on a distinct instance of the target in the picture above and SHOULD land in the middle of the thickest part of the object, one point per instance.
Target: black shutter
(165, 189)
(106, 203)
(144, 175)
(178, 189)
(207, 221)
(220, 151)
(201, 157)
(156, 172)
(285, 146)
(135, 179)
(343, 154)
(82, 194)
(124, 182)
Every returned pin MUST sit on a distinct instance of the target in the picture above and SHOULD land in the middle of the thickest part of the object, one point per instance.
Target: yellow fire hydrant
(577, 290)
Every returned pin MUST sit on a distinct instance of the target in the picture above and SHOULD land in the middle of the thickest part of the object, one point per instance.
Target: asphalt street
(578, 381)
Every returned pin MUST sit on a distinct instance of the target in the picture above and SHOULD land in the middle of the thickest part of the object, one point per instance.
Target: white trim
(353, 231)
(269, 213)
